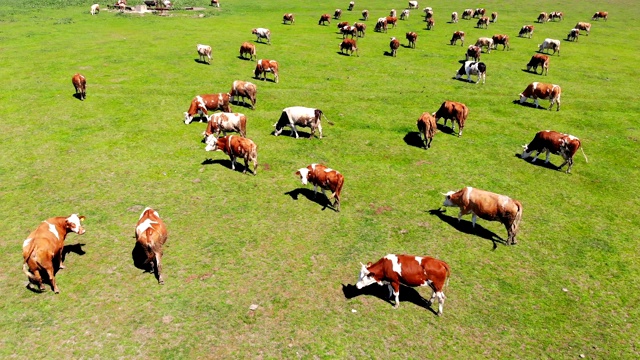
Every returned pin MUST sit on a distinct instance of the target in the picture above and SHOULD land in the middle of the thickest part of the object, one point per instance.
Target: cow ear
(81, 218)
(369, 264)
(298, 173)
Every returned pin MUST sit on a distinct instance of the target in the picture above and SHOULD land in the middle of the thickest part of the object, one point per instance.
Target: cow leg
(535, 101)
(315, 191)
(246, 165)
(158, 261)
(52, 279)
(474, 217)
(293, 127)
(233, 162)
(546, 161)
(570, 160)
(441, 298)
(536, 157)
(396, 293)
(460, 215)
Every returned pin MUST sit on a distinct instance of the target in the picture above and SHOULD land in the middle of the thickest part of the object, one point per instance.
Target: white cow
(95, 9)
(301, 116)
(262, 33)
(204, 51)
(404, 15)
(550, 44)
(413, 4)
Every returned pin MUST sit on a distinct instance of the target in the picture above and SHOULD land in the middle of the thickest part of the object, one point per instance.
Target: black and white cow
(473, 68)
(301, 116)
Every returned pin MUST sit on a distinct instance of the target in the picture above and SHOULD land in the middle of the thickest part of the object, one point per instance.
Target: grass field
(570, 286)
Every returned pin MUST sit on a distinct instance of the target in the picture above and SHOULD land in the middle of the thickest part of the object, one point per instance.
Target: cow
(408, 270)
(473, 68)
(494, 17)
(537, 90)
(248, 48)
(430, 23)
(349, 31)
(543, 17)
(201, 104)
(342, 24)
(454, 17)
(485, 42)
(215, 3)
(300, 116)
(453, 110)
(413, 4)
(80, 84)
(42, 250)
(226, 122)
(468, 14)
(550, 44)
(381, 25)
(167, 3)
(556, 15)
(151, 234)
(360, 29)
(539, 60)
(288, 17)
(95, 9)
(392, 20)
(427, 128)
(458, 35)
(243, 89)
(501, 39)
(573, 35)
(600, 15)
(585, 26)
(479, 12)
(325, 178)
(337, 14)
(483, 22)
(235, 147)
(262, 33)
(392, 13)
(488, 206)
(351, 5)
(404, 15)
(412, 37)
(428, 14)
(349, 45)
(204, 52)
(555, 143)
(526, 30)
(264, 66)
(324, 18)
(473, 52)
(365, 15)
(394, 44)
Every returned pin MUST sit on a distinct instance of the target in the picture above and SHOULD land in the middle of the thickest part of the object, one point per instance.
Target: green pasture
(569, 288)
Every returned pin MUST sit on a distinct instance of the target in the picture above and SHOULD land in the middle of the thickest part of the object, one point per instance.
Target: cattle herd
(42, 250)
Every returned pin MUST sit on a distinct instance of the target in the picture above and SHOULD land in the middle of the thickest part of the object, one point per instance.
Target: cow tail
(25, 266)
(583, 154)
(243, 126)
(328, 121)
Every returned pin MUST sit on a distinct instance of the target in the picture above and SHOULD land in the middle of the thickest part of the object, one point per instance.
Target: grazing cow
(248, 48)
(392, 13)
(360, 29)
(430, 23)
(555, 143)
(365, 15)
(413, 4)
(342, 24)
(584, 26)
(42, 250)
(543, 17)
(288, 17)
(600, 15)
(151, 234)
(337, 14)
(408, 270)
(201, 104)
(428, 14)
(300, 116)
(235, 147)
(381, 25)
(404, 15)
(204, 52)
(325, 178)
(485, 42)
(494, 17)
(324, 18)
(412, 37)
(537, 90)
(473, 52)
(392, 20)
(488, 206)
(243, 89)
(394, 44)
(226, 122)
(483, 22)
(458, 35)
(349, 45)
(95, 9)
(453, 110)
(468, 14)
(351, 5)
(556, 15)
(262, 33)
(349, 31)
(215, 3)
(427, 128)
(550, 44)
(454, 17)
(264, 66)
(501, 39)
(473, 68)
(526, 30)
(479, 12)
(539, 60)
(573, 35)
(80, 84)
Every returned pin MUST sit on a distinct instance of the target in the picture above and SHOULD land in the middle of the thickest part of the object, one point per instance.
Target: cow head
(187, 118)
(277, 131)
(447, 199)
(366, 277)
(73, 223)
(525, 152)
(304, 175)
(212, 143)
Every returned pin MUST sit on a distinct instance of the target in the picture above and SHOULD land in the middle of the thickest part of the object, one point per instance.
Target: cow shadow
(140, 258)
(445, 129)
(290, 133)
(466, 227)
(321, 199)
(407, 294)
(538, 162)
(72, 248)
(388, 53)
(265, 79)
(227, 163)
(244, 58)
(342, 53)
(413, 139)
(463, 79)
(77, 96)
(528, 104)
(243, 104)
(201, 62)
(406, 46)
(532, 72)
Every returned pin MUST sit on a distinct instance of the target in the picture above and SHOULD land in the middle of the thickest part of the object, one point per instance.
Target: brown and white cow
(583, 26)
(215, 3)
(248, 48)
(488, 206)
(204, 52)
(404, 15)
(430, 23)
(325, 178)
(468, 14)
(550, 44)
(537, 90)
(573, 35)
(408, 270)
(201, 104)
(264, 66)
(288, 17)
(300, 116)
(351, 5)
(42, 250)
(226, 122)
(473, 52)
(539, 60)
(262, 33)
(412, 37)
(324, 18)
(501, 39)
(543, 17)
(600, 15)
(349, 45)
(151, 234)
(479, 12)
(349, 31)
(243, 89)
(556, 15)
(95, 9)
(427, 128)
(235, 147)
(485, 42)
(555, 143)
(80, 84)
(453, 110)
(365, 15)
(458, 35)
(342, 24)
(381, 24)
(413, 4)
(494, 17)
(454, 17)
(337, 14)
(526, 30)
(483, 22)
(394, 44)
(392, 20)
(360, 28)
